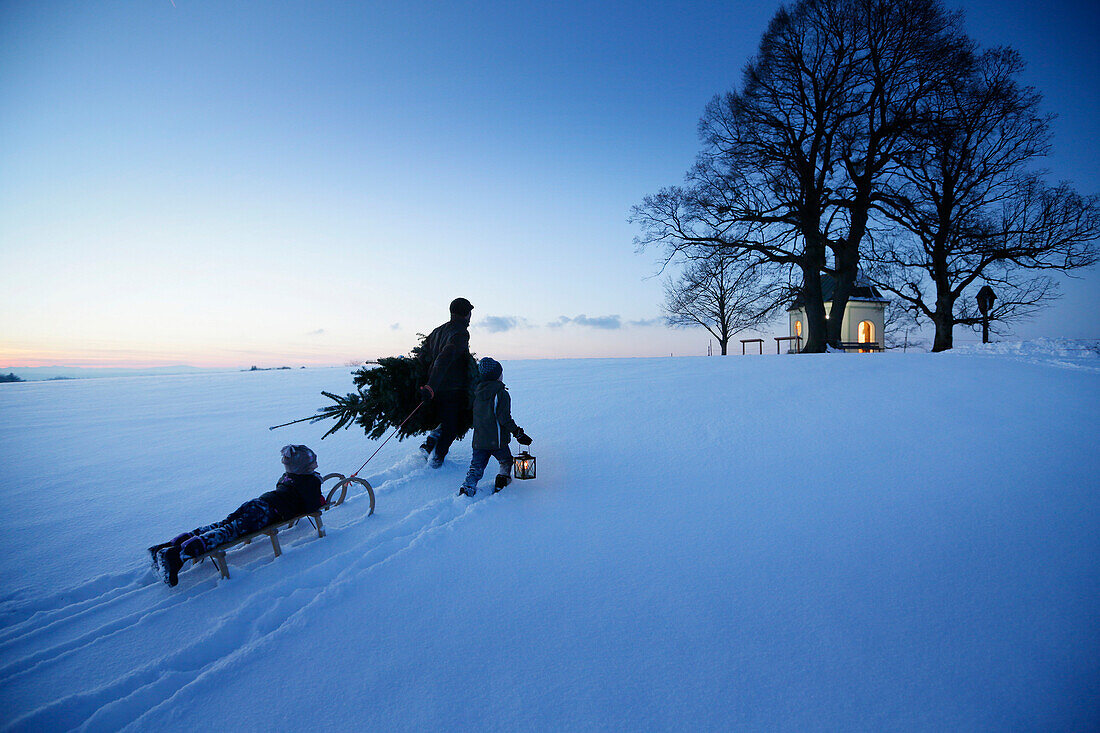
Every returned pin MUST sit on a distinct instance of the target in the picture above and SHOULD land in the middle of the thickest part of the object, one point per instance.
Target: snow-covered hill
(832, 542)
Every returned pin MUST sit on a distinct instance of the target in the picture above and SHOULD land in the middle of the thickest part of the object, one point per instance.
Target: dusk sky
(222, 183)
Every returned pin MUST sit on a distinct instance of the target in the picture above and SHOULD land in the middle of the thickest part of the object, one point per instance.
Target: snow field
(860, 542)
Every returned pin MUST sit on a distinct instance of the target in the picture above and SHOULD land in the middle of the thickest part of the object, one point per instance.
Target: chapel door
(866, 334)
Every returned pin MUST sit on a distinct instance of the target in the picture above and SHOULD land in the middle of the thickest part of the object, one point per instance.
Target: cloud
(497, 324)
(605, 322)
(501, 324)
(608, 323)
(395, 326)
(318, 332)
(648, 322)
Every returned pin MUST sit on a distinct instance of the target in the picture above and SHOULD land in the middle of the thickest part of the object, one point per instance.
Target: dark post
(986, 296)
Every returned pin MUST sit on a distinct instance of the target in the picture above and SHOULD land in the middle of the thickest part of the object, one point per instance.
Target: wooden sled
(271, 531)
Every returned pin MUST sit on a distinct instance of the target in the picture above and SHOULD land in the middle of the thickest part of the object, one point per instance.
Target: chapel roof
(863, 290)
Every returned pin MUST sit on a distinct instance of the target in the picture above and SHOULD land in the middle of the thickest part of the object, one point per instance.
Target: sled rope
(387, 440)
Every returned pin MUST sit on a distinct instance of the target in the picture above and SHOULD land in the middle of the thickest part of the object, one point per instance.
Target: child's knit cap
(299, 459)
(489, 369)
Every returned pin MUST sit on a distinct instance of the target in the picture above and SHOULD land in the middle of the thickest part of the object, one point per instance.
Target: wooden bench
(796, 339)
(861, 346)
(271, 531)
(752, 341)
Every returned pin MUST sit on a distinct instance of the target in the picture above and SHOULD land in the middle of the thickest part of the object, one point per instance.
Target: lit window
(866, 332)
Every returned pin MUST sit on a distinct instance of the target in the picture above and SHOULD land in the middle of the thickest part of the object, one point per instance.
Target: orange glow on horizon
(137, 359)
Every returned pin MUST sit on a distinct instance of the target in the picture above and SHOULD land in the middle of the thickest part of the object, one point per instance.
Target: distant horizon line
(103, 368)
(129, 368)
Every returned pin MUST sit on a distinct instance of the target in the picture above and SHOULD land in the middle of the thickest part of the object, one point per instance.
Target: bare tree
(762, 180)
(907, 51)
(901, 326)
(792, 163)
(724, 295)
(973, 212)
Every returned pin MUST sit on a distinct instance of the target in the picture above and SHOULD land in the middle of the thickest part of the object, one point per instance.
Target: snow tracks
(136, 645)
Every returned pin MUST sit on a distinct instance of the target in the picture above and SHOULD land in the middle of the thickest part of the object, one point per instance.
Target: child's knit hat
(299, 459)
(489, 369)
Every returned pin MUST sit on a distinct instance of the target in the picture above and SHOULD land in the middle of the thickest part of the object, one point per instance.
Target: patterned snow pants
(253, 515)
(481, 459)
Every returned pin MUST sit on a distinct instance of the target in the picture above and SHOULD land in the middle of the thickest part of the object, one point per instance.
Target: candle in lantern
(524, 466)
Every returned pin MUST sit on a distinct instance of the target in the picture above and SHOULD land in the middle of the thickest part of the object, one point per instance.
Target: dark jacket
(446, 352)
(295, 494)
(493, 423)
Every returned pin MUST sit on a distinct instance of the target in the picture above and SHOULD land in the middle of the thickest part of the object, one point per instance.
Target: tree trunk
(846, 257)
(943, 340)
(845, 280)
(944, 318)
(722, 345)
(815, 310)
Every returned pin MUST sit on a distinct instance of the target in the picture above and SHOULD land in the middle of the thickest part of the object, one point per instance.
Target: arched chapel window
(866, 332)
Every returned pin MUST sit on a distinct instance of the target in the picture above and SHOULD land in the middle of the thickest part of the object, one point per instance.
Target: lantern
(524, 465)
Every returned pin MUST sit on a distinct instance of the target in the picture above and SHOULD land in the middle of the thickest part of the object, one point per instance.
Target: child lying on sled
(297, 492)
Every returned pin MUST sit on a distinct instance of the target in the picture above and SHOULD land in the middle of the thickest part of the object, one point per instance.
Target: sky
(227, 184)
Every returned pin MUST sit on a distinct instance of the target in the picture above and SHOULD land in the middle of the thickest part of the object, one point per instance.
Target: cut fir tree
(386, 395)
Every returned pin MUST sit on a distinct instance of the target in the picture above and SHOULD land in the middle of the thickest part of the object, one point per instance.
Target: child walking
(493, 428)
(298, 491)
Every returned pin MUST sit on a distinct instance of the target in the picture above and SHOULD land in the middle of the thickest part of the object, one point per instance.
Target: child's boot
(502, 480)
(467, 490)
(170, 563)
(153, 552)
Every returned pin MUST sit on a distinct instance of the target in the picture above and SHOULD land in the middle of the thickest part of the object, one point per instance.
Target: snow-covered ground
(826, 542)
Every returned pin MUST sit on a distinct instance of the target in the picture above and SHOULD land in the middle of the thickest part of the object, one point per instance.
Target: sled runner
(271, 531)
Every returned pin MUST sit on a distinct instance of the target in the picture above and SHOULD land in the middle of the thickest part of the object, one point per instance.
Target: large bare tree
(972, 211)
(907, 52)
(792, 161)
(762, 180)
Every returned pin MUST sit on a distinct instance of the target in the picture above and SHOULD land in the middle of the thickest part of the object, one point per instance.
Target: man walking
(446, 353)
